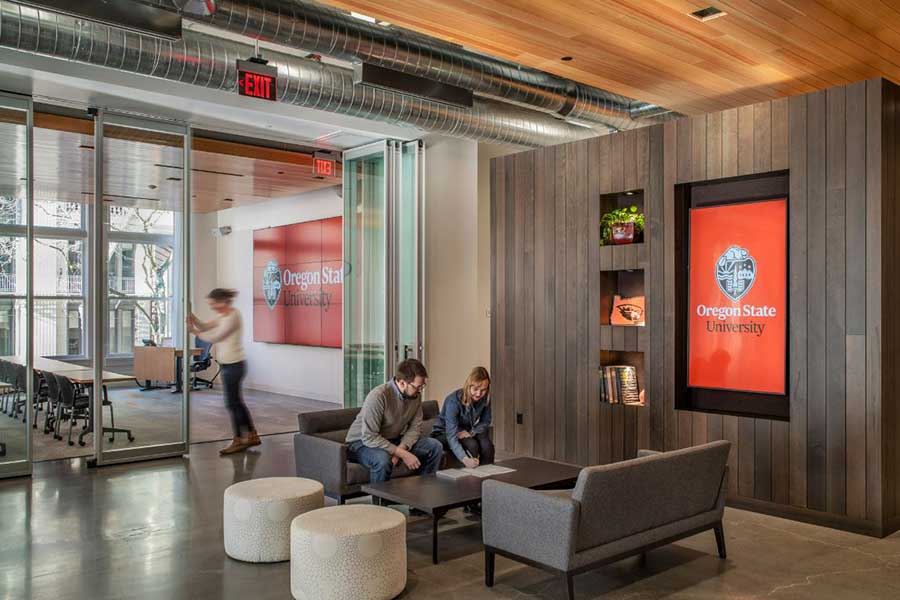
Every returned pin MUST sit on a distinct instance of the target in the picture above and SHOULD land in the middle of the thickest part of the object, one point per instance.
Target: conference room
(244, 192)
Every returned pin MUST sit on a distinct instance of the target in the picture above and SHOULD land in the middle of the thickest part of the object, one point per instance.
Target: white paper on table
(452, 473)
(487, 470)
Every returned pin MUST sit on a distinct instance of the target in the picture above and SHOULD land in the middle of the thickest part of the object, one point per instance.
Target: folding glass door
(16, 281)
(141, 275)
(382, 250)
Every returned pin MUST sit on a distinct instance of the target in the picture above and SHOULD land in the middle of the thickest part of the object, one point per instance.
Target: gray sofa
(321, 454)
(615, 511)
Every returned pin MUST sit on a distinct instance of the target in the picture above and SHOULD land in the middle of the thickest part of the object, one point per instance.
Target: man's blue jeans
(428, 450)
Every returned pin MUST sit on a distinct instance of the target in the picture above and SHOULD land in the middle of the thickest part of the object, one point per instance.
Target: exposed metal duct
(317, 28)
(209, 62)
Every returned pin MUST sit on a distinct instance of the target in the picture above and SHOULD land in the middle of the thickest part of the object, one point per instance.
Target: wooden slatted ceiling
(653, 51)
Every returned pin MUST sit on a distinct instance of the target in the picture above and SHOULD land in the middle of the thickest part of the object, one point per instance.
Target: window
(141, 276)
(59, 276)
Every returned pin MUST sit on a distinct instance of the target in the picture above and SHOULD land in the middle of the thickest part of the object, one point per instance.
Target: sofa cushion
(358, 474)
(622, 499)
(326, 420)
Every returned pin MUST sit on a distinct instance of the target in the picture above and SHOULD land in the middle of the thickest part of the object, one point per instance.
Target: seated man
(387, 429)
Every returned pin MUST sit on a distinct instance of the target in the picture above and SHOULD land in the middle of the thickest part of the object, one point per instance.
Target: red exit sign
(257, 80)
(324, 166)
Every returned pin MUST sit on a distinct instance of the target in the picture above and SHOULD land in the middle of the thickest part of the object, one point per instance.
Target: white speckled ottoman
(354, 552)
(258, 513)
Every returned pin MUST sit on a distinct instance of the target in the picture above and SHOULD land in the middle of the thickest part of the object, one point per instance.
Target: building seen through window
(140, 271)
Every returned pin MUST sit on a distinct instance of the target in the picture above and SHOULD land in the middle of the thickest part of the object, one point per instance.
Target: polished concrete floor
(153, 531)
(154, 417)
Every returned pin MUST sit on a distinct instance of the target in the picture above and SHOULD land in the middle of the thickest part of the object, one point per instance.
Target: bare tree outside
(155, 263)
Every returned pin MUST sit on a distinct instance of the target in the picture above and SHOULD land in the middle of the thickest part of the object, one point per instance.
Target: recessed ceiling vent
(708, 14)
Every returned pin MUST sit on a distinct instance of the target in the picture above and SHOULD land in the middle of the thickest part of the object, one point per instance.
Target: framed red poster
(737, 297)
(298, 282)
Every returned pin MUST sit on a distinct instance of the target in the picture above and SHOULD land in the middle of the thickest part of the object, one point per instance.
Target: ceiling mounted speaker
(221, 231)
(125, 14)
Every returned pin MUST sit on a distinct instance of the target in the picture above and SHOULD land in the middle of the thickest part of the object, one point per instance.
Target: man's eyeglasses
(417, 388)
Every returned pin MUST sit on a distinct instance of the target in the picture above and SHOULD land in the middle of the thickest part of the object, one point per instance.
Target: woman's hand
(470, 463)
(463, 435)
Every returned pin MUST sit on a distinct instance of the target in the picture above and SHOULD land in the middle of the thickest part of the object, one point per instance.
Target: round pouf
(258, 513)
(350, 552)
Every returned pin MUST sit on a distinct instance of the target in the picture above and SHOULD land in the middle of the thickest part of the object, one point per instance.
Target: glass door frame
(350, 302)
(20, 468)
(394, 184)
(99, 284)
(411, 180)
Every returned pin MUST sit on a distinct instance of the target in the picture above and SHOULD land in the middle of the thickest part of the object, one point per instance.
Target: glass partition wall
(383, 250)
(141, 282)
(93, 232)
(16, 223)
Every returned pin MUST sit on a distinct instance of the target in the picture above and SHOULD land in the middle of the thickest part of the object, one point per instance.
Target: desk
(159, 363)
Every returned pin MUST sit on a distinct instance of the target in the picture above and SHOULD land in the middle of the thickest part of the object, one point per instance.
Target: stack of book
(618, 384)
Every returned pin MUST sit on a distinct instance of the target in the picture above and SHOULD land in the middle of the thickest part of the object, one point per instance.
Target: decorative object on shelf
(622, 226)
(619, 385)
(627, 311)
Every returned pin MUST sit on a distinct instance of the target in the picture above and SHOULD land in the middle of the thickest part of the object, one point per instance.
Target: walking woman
(465, 419)
(225, 332)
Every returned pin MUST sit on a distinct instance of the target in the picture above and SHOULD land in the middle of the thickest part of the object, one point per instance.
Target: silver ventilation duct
(313, 27)
(209, 62)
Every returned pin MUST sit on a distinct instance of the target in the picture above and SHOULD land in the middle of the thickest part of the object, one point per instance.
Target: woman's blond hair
(477, 375)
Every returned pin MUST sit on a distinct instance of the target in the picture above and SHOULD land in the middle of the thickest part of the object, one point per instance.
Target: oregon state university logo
(735, 272)
(271, 283)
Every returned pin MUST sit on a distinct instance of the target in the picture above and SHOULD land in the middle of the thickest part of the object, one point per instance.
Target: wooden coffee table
(436, 495)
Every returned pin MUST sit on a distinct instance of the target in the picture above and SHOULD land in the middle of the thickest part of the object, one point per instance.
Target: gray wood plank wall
(836, 460)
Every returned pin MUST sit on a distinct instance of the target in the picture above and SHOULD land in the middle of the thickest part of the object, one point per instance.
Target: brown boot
(253, 439)
(237, 445)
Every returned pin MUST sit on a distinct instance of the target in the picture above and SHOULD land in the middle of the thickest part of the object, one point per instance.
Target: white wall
(295, 370)
(457, 259)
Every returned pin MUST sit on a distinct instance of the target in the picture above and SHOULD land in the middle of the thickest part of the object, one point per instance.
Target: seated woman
(465, 419)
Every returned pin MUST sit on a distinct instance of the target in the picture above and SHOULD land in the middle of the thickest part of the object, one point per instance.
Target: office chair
(51, 416)
(73, 405)
(202, 362)
(7, 386)
(20, 397)
(40, 395)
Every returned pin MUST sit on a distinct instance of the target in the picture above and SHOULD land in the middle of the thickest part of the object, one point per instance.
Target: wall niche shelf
(617, 358)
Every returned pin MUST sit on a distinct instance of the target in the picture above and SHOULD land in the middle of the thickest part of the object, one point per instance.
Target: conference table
(82, 376)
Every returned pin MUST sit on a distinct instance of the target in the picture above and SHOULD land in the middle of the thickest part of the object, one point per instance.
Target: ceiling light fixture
(708, 14)
(363, 17)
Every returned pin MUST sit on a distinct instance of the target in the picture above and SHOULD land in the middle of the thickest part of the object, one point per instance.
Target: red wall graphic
(298, 283)
(738, 297)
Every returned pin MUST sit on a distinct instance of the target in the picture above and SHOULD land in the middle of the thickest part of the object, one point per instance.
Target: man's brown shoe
(253, 439)
(237, 445)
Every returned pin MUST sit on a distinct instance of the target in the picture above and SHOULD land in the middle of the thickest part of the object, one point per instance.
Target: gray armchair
(615, 511)
(321, 454)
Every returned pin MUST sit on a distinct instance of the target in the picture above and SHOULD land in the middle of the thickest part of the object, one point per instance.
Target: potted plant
(622, 226)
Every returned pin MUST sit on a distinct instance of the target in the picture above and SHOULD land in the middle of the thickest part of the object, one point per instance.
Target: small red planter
(622, 233)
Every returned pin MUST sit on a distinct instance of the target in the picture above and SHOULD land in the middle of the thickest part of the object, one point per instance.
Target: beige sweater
(225, 332)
